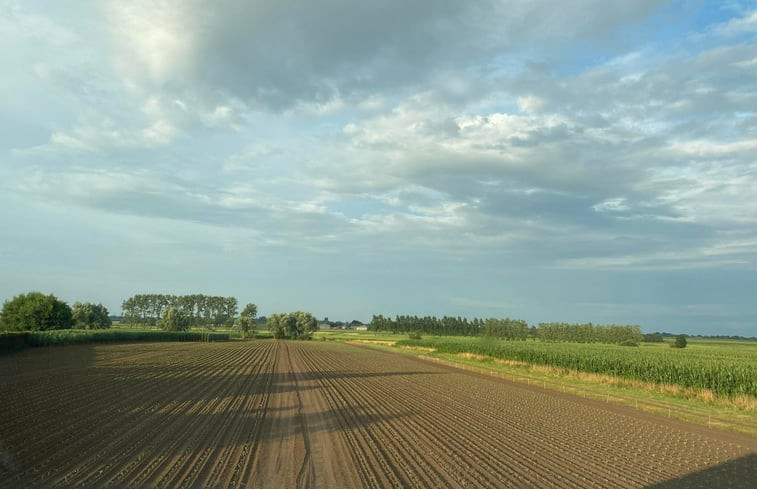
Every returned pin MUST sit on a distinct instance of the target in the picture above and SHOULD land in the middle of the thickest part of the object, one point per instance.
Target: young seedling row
(324, 414)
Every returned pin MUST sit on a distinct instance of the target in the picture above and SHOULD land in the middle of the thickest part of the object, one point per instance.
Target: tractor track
(312, 415)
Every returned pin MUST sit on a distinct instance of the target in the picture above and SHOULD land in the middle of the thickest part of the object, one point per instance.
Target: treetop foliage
(174, 320)
(511, 329)
(200, 309)
(590, 333)
(35, 311)
(246, 320)
(292, 325)
(90, 316)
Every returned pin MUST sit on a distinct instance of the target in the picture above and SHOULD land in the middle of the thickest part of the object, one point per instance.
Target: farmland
(725, 369)
(326, 414)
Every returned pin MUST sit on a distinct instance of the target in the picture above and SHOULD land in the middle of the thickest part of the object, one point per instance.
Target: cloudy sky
(590, 160)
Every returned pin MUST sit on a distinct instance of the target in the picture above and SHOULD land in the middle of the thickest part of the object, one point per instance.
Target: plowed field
(326, 415)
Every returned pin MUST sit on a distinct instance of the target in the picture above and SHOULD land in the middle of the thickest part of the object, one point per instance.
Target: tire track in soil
(317, 415)
(540, 445)
(331, 463)
(281, 452)
(422, 471)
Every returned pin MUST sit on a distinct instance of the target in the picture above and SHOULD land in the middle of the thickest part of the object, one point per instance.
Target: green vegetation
(724, 372)
(245, 323)
(508, 329)
(201, 309)
(429, 325)
(680, 341)
(35, 312)
(293, 325)
(589, 333)
(653, 338)
(174, 320)
(17, 341)
(90, 316)
(511, 329)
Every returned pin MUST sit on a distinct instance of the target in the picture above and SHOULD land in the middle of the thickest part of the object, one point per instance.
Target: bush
(680, 342)
(35, 312)
(415, 335)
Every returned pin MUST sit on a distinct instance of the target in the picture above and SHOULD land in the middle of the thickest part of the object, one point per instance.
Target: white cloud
(611, 205)
(529, 136)
(740, 25)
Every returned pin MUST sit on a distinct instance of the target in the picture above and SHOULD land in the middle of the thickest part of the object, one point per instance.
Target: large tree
(90, 316)
(246, 320)
(174, 320)
(35, 312)
(293, 325)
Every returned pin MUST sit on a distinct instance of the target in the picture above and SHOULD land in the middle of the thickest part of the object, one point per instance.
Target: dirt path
(302, 444)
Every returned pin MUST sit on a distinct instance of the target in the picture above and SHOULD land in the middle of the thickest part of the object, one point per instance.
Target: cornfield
(723, 371)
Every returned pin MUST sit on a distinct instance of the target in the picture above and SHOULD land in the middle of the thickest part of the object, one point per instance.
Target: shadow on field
(135, 378)
(72, 418)
(734, 474)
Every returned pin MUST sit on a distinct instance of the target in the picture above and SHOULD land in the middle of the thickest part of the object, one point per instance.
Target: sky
(583, 161)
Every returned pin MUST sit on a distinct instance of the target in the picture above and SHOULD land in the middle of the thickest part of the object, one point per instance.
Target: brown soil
(325, 415)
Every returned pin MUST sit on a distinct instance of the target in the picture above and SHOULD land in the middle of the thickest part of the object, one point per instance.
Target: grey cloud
(275, 53)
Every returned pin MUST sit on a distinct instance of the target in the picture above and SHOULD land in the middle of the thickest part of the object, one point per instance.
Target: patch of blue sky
(675, 28)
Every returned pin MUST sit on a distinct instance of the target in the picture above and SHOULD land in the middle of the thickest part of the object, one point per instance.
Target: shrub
(35, 312)
(680, 341)
(415, 335)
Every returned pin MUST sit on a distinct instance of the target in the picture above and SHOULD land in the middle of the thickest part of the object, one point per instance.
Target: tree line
(446, 326)
(589, 333)
(35, 311)
(506, 328)
(515, 329)
(198, 309)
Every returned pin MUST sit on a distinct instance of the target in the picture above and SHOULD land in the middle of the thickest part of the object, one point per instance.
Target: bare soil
(325, 415)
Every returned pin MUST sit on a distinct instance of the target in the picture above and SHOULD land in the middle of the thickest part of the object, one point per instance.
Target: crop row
(723, 376)
(439, 428)
(163, 417)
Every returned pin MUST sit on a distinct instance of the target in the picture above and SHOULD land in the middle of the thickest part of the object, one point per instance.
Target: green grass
(352, 335)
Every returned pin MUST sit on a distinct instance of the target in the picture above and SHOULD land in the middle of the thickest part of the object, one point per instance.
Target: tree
(680, 341)
(294, 325)
(174, 320)
(250, 311)
(35, 311)
(90, 316)
(246, 320)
